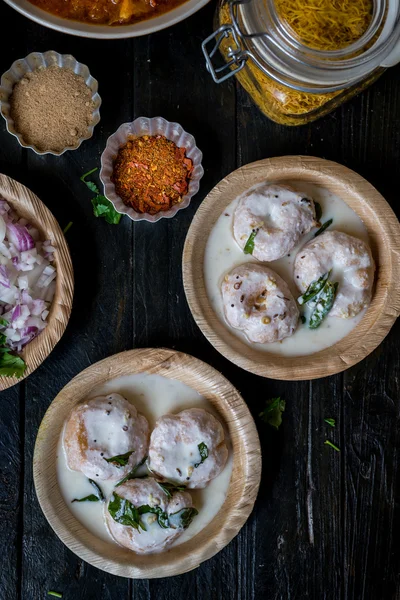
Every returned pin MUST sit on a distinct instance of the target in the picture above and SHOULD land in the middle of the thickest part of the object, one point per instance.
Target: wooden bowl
(384, 234)
(245, 477)
(28, 205)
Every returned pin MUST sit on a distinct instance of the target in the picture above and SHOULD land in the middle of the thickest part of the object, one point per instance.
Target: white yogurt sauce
(223, 254)
(153, 396)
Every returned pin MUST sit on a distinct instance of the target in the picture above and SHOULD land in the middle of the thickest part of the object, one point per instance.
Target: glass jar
(295, 69)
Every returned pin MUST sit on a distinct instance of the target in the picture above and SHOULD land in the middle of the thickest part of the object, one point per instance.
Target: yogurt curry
(107, 12)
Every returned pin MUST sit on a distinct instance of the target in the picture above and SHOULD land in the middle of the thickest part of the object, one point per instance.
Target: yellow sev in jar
(320, 24)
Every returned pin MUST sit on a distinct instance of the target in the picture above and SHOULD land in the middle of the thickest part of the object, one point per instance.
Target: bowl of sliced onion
(36, 282)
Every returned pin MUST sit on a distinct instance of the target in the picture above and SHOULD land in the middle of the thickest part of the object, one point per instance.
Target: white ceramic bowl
(153, 126)
(33, 61)
(104, 31)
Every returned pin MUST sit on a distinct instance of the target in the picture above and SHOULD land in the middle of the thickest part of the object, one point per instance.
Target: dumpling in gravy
(258, 302)
(276, 216)
(105, 438)
(157, 521)
(188, 448)
(352, 266)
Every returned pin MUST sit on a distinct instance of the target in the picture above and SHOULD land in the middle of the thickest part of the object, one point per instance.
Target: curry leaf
(132, 473)
(170, 488)
(322, 229)
(318, 211)
(182, 518)
(203, 454)
(121, 460)
(90, 498)
(272, 413)
(249, 246)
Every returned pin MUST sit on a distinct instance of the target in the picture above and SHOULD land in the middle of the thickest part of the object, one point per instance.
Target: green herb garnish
(318, 211)
(103, 208)
(272, 413)
(203, 454)
(249, 246)
(132, 473)
(324, 226)
(313, 289)
(121, 460)
(328, 443)
(97, 497)
(182, 518)
(55, 594)
(330, 422)
(11, 365)
(170, 488)
(92, 186)
(3, 322)
(123, 512)
(67, 227)
(323, 304)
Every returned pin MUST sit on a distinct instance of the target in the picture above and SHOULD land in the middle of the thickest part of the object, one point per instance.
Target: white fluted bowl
(33, 61)
(147, 126)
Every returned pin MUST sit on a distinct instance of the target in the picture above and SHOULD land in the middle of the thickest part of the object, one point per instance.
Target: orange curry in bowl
(107, 12)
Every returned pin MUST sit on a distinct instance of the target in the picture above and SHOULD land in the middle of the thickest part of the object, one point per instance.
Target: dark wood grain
(325, 523)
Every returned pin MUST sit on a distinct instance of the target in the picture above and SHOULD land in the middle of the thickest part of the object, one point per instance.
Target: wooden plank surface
(324, 525)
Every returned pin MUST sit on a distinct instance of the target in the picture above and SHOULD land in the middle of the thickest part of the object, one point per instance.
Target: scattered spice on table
(52, 108)
(151, 173)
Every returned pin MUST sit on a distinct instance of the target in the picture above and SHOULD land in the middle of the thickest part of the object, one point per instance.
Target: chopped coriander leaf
(11, 365)
(182, 518)
(92, 186)
(330, 422)
(328, 443)
(103, 208)
(3, 322)
(67, 227)
(324, 226)
(121, 460)
(249, 246)
(272, 413)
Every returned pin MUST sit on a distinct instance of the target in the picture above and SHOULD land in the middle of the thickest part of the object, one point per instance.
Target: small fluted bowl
(33, 61)
(147, 126)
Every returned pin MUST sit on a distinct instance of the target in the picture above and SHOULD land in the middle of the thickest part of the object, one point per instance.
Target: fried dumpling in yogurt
(188, 448)
(350, 261)
(105, 438)
(258, 302)
(141, 516)
(274, 217)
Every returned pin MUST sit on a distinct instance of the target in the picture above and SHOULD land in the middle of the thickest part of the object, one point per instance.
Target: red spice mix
(151, 173)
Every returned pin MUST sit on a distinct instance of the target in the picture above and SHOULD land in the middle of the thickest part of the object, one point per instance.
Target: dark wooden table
(128, 293)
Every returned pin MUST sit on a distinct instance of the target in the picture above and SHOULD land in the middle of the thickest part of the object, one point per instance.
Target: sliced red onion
(24, 262)
(20, 236)
(4, 278)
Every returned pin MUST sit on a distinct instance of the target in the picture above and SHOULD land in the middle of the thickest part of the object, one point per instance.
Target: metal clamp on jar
(299, 63)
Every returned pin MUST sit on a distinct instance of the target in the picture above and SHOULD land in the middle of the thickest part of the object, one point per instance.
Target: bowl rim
(28, 205)
(245, 478)
(106, 159)
(384, 234)
(93, 31)
(60, 58)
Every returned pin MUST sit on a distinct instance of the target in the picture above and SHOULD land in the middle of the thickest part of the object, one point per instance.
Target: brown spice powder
(52, 108)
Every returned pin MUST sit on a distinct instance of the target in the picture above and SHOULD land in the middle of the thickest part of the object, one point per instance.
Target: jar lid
(277, 37)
